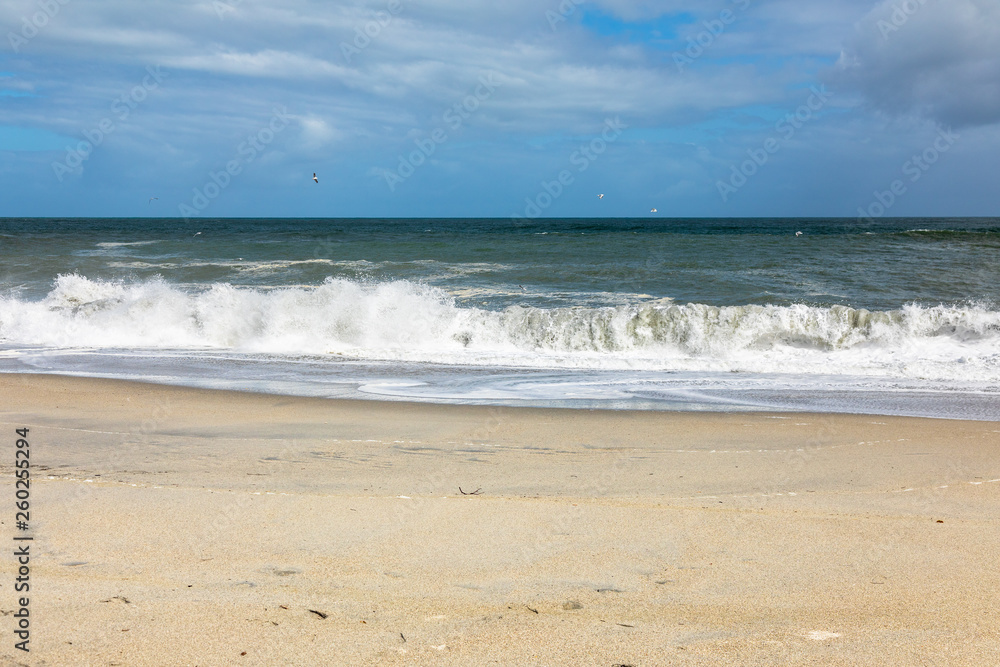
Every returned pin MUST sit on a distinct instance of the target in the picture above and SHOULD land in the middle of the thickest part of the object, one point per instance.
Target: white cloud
(317, 132)
(268, 63)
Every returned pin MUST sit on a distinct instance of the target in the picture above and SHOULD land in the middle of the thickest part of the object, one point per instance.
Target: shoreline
(574, 404)
(180, 526)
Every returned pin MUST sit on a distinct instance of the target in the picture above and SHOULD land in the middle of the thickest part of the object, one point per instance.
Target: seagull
(522, 288)
(196, 233)
(315, 180)
(798, 233)
(652, 210)
(600, 196)
(151, 200)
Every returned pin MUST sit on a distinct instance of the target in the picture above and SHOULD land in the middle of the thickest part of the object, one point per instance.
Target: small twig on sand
(319, 613)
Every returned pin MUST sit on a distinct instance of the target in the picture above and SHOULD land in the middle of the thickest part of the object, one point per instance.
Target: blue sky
(455, 108)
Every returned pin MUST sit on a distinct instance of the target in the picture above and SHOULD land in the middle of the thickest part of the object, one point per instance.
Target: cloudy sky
(413, 108)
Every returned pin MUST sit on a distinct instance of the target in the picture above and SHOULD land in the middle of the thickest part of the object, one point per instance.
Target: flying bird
(798, 233)
(652, 210)
(196, 233)
(151, 200)
(600, 196)
(315, 180)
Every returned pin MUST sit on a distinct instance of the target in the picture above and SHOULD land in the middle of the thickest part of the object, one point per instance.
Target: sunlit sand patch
(821, 635)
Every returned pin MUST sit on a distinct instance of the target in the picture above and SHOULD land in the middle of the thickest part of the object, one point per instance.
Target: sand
(176, 526)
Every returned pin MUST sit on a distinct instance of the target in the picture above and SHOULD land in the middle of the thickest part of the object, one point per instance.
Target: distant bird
(600, 196)
(315, 180)
(151, 200)
(522, 288)
(652, 210)
(798, 233)
(196, 233)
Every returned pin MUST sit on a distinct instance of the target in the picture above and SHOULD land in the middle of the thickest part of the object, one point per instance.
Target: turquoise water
(898, 317)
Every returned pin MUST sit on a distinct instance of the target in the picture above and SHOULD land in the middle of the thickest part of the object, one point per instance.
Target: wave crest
(411, 321)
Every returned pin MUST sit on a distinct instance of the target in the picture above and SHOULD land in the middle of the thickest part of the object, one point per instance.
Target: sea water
(897, 316)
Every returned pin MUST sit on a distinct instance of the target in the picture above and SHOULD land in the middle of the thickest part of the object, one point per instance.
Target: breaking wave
(407, 321)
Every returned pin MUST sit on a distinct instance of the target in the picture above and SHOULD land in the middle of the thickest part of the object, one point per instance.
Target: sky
(527, 108)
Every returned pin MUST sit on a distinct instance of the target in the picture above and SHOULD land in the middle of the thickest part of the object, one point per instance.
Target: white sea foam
(124, 244)
(402, 320)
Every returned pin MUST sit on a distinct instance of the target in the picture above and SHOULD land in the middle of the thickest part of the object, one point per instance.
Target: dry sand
(187, 527)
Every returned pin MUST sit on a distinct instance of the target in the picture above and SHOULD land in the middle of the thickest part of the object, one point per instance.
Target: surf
(411, 321)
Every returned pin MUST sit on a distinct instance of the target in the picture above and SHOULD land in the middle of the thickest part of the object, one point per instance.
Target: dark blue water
(716, 262)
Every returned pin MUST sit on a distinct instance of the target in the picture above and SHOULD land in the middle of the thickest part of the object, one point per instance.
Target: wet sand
(177, 526)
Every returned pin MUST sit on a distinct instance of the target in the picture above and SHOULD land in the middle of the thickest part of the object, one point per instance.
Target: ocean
(896, 317)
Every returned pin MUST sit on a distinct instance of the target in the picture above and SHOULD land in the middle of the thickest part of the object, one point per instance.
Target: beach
(607, 334)
(187, 526)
